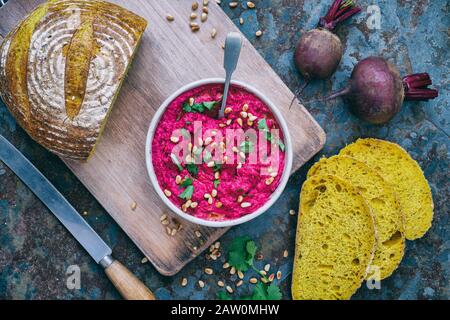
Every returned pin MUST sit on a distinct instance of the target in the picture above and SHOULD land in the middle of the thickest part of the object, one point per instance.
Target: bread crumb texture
(383, 202)
(404, 175)
(335, 241)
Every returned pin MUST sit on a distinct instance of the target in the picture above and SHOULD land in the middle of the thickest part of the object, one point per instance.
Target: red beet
(376, 91)
(319, 51)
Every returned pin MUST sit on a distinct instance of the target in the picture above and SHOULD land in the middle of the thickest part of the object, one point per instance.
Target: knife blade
(127, 284)
(54, 200)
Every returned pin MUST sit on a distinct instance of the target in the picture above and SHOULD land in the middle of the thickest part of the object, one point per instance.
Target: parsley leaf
(273, 292)
(209, 104)
(186, 182)
(251, 250)
(237, 255)
(176, 161)
(247, 146)
(192, 169)
(216, 183)
(187, 193)
(199, 107)
(222, 295)
(217, 167)
(262, 125)
(259, 293)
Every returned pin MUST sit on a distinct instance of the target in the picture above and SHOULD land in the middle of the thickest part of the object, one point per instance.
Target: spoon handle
(233, 45)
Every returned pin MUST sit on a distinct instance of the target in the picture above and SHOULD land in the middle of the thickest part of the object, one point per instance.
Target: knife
(129, 286)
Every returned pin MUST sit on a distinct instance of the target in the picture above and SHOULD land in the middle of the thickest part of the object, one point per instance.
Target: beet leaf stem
(339, 11)
(416, 87)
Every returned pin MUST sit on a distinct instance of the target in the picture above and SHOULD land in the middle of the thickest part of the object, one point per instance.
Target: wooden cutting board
(170, 56)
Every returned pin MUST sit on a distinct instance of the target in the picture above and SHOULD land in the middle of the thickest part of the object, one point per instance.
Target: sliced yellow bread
(397, 167)
(381, 198)
(335, 241)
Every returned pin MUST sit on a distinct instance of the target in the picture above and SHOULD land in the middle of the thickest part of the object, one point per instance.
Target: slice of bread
(397, 167)
(335, 241)
(381, 198)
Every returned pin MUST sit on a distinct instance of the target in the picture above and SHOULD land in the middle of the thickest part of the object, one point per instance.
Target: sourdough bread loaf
(61, 70)
(336, 240)
(383, 202)
(404, 175)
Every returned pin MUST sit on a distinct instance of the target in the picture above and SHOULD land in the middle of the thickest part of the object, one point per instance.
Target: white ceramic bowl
(227, 223)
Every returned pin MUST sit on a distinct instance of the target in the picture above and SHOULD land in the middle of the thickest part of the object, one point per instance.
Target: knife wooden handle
(129, 286)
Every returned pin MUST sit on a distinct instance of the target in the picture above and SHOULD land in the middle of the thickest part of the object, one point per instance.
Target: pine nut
(240, 275)
(245, 204)
(168, 193)
(201, 283)
(204, 17)
(214, 193)
(226, 265)
(240, 199)
(244, 114)
(195, 6)
(174, 139)
(170, 18)
(194, 205)
(267, 267)
(229, 289)
(220, 283)
(219, 204)
(269, 181)
(209, 271)
(178, 179)
(258, 33)
(213, 33)
(240, 122)
(233, 4)
(184, 282)
(253, 280)
(239, 283)
(279, 275)
(193, 16)
(250, 4)
(210, 164)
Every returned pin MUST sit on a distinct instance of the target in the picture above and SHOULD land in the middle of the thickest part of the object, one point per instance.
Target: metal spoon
(233, 45)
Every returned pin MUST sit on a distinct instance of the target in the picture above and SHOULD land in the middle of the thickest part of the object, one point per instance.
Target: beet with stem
(319, 51)
(376, 91)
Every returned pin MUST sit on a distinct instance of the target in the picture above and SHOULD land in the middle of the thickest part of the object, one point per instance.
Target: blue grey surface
(35, 250)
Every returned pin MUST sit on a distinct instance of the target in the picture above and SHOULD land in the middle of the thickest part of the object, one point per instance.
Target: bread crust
(75, 61)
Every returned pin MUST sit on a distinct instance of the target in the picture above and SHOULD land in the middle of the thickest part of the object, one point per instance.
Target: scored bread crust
(384, 204)
(404, 175)
(40, 103)
(313, 282)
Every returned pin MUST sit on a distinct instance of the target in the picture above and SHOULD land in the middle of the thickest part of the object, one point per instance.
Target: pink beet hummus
(229, 190)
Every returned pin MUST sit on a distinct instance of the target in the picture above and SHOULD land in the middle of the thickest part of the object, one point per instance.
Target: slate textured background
(35, 250)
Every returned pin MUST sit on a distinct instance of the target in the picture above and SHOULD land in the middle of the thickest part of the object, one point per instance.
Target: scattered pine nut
(204, 17)
(173, 232)
(133, 205)
(258, 33)
(285, 254)
(269, 181)
(232, 270)
(253, 280)
(193, 16)
(144, 260)
(198, 234)
(250, 5)
(245, 204)
(241, 21)
(165, 222)
(178, 179)
(205, 10)
(194, 205)
(220, 283)
(227, 110)
(217, 245)
(233, 4)
(223, 47)
(271, 277)
(205, 2)
(240, 275)
(184, 282)
(226, 265)
(229, 289)
(195, 6)
(209, 271)
(174, 139)
(210, 164)
(168, 193)
(217, 175)
(239, 283)
(169, 231)
(292, 212)
(229, 122)
(244, 114)
(267, 267)
(201, 283)
(194, 27)
(213, 33)
(219, 204)
(279, 275)
(85, 213)
(263, 272)
(170, 18)
(214, 193)
(239, 121)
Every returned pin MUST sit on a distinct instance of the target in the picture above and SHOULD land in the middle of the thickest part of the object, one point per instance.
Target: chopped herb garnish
(262, 125)
(185, 133)
(187, 123)
(176, 161)
(199, 107)
(247, 146)
(192, 169)
(217, 167)
(186, 182)
(216, 183)
(187, 193)
(207, 156)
